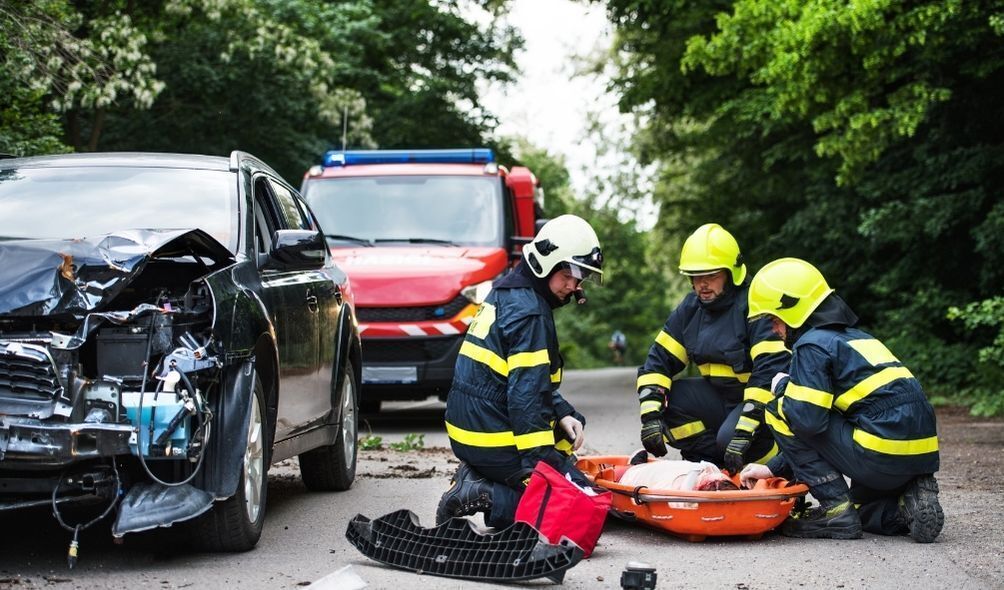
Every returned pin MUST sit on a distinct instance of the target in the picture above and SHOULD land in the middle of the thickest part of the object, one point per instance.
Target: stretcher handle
(640, 498)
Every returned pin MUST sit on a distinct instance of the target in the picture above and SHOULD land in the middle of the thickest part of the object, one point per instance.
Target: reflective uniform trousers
(702, 420)
(819, 461)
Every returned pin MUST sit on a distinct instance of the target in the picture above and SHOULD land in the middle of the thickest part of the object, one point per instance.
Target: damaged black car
(170, 326)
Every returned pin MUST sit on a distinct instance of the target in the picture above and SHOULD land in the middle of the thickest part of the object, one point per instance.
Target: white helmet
(567, 241)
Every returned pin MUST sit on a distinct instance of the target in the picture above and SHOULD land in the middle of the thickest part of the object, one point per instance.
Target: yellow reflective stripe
(767, 347)
(654, 379)
(719, 370)
(521, 360)
(757, 394)
(564, 446)
(774, 450)
(874, 351)
(556, 376)
(747, 424)
(809, 395)
(687, 430)
(672, 346)
(870, 384)
(917, 446)
(650, 406)
(480, 439)
(777, 425)
(541, 438)
(485, 356)
(780, 408)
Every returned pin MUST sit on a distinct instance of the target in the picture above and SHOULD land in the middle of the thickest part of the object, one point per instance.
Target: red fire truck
(422, 234)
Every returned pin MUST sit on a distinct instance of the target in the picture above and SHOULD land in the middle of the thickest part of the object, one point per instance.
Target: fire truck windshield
(461, 210)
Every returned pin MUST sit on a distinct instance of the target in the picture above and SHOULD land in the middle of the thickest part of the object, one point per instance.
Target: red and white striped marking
(419, 329)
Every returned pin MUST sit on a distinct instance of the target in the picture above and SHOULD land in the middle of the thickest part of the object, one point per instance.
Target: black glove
(737, 448)
(654, 434)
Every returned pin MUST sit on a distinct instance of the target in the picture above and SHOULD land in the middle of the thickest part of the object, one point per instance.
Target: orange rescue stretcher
(695, 515)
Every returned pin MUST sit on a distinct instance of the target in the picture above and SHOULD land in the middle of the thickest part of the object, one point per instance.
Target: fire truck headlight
(476, 293)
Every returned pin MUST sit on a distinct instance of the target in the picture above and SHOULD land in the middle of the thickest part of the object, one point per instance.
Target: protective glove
(654, 434)
(752, 472)
(574, 429)
(736, 450)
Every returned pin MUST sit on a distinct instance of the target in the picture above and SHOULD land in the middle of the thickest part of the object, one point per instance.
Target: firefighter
(849, 407)
(504, 412)
(716, 417)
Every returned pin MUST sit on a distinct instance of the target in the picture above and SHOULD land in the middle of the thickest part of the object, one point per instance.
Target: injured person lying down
(677, 475)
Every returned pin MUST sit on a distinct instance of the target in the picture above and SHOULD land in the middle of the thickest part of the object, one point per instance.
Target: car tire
(333, 467)
(235, 524)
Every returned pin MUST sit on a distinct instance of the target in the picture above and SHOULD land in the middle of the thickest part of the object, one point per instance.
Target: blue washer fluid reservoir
(167, 405)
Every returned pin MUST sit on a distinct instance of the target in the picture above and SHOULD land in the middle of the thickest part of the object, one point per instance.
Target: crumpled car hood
(74, 277)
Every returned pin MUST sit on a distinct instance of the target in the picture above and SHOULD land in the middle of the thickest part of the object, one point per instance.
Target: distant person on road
(504, 413)
(716, 417)
(618, 344)
(849, 407)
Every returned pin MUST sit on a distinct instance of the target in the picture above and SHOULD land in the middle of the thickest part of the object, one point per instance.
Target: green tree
(864, 137)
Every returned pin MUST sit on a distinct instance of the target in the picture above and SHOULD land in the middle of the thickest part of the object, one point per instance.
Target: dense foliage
(865, 137)
(279, 78)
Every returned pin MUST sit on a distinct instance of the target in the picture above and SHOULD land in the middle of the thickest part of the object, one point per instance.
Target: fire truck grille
(412, 350)
(26, 372)
(412, 314)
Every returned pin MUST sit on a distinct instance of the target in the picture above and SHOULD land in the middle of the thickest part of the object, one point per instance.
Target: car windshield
(88, 201)
(462, 210)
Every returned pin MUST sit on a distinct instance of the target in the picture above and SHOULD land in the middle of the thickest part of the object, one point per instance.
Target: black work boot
(469, 493)
(919, 509)
(830, 521)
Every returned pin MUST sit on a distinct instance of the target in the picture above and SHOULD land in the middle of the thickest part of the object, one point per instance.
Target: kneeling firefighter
(716, 417)
(849, 407)
(504, 412)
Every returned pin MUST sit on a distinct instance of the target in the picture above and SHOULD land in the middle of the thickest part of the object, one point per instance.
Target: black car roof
(154, 160)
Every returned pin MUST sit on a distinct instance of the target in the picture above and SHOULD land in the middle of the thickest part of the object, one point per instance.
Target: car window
(84, 201)
(293, 215)
(266, 221)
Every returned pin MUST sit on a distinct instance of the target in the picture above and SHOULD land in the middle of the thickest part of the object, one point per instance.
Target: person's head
(711, 258)
(787, 290)
(565, 252)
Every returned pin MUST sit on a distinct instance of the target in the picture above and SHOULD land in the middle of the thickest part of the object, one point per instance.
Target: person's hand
(753, 472)
(736, 450)
(778, 377)
(573, 428)
(653, 435)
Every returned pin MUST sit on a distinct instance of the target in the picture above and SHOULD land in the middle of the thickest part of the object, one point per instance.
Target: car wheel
(333, 467)
(235, 524)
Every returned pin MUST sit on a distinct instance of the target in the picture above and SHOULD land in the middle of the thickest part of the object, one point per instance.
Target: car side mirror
(297, 249)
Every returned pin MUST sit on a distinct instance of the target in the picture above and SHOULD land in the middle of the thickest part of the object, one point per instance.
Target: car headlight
(476, 293)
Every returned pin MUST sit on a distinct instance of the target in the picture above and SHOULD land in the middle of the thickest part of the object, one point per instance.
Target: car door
(286, 299)
(309, 402)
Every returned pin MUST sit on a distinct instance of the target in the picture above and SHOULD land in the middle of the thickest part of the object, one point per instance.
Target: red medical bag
(558, 508)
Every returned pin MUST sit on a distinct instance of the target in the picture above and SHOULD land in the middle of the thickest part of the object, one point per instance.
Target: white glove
(573, 428)
(777, 379)
(752, 472)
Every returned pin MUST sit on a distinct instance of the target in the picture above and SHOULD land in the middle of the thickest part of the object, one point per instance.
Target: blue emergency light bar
(462, 156)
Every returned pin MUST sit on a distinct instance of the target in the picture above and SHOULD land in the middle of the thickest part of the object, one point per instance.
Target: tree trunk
(99, 120)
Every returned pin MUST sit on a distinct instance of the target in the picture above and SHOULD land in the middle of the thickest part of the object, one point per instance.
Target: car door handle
(312, 302)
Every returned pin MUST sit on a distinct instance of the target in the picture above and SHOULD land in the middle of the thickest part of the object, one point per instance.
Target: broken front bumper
(32, 441)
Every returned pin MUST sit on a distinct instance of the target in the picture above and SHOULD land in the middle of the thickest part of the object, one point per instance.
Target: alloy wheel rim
(348, 421)
(254, 463)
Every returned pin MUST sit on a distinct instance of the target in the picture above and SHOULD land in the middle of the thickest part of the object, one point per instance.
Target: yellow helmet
(711, 249)
(789, 289)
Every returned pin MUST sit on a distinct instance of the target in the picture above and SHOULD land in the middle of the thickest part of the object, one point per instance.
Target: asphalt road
(304, 538)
